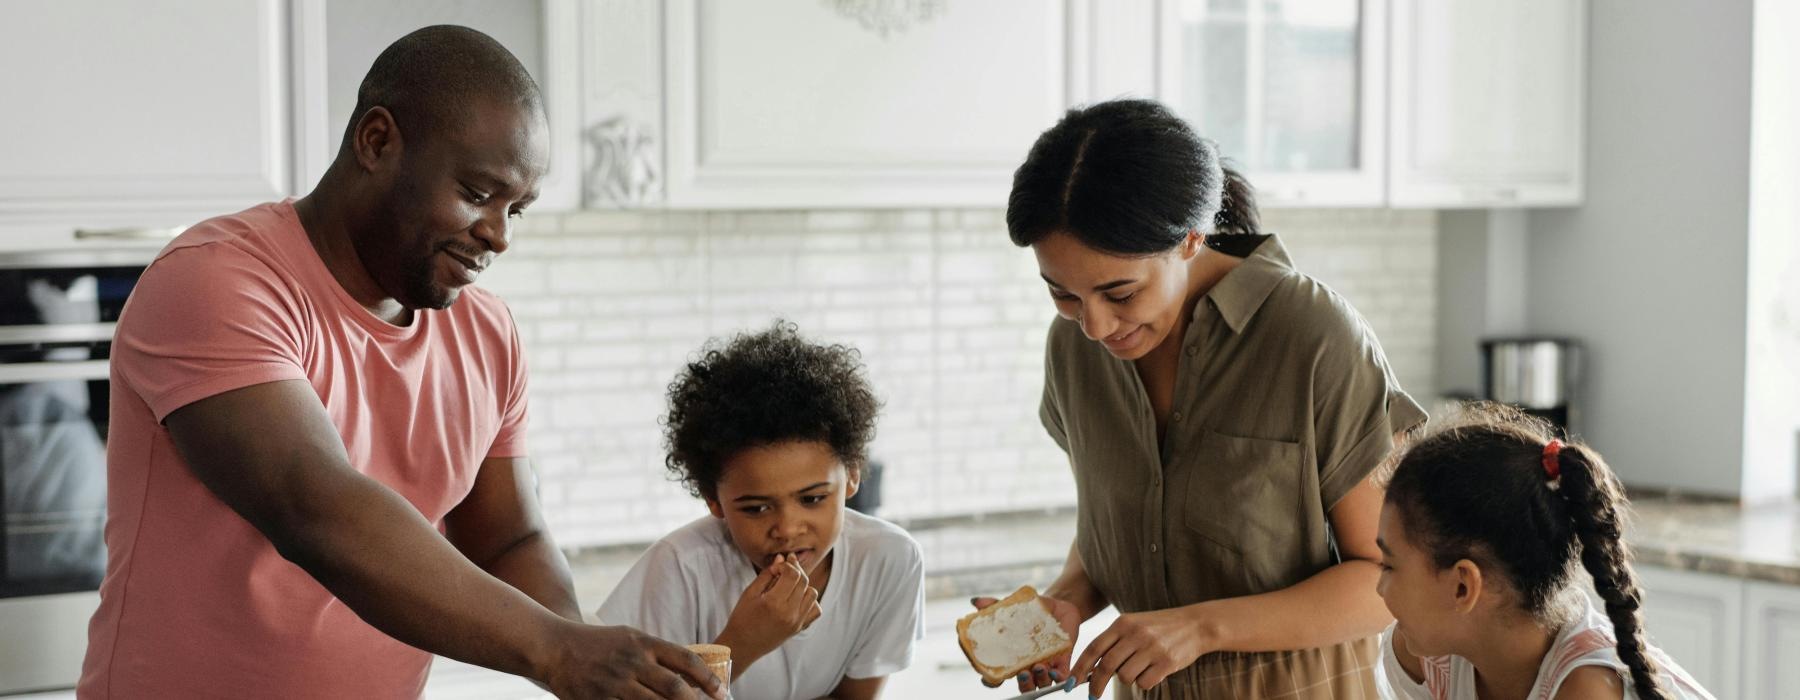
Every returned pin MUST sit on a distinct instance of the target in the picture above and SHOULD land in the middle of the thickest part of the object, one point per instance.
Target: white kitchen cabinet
(543, 34)
(1696, 619)
(1488, 103)
(1294, 93)
(1771, 641)
(126, 117)
(800, 103)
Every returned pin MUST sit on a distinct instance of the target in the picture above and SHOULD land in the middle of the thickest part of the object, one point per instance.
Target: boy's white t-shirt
(1587, 642)
(872, 610)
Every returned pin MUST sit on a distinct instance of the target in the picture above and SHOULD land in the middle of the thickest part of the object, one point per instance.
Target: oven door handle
(130, 233)
(28, 372)
(58, 333)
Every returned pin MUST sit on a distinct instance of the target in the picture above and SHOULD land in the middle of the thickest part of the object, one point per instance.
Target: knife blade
(1064, 687)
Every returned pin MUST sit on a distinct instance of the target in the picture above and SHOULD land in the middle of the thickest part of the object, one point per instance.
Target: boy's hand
(778, 605)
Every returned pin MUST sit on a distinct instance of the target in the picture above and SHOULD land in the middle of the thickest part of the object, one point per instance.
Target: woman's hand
(1053, 673)
(1142, 649)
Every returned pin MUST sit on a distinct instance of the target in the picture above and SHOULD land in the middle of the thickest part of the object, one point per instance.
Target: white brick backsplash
(948, 314)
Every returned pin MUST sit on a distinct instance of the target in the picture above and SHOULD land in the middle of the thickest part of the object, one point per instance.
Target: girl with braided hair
(1485, 521)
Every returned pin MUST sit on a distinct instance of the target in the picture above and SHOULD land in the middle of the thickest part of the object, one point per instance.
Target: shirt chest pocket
(1243, 494)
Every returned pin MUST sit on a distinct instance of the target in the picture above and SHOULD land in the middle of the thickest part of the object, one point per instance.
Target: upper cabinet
(1488, 103)
(132, 119)
(1293, 92)
(801, 103)
(543, 34)
(127, 119)
(1404, 103)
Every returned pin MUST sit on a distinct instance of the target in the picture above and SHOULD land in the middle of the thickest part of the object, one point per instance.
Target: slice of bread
(1012, 635)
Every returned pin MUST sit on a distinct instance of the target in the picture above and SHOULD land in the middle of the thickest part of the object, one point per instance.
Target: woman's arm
(1074, 587)
(1333, 606)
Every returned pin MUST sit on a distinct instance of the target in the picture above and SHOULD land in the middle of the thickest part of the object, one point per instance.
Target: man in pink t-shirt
(317, 449)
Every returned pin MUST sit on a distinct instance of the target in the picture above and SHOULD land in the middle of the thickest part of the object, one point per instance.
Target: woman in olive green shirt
(1222, 413)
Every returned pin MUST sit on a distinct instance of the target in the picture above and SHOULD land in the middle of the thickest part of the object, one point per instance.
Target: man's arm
(270, 452)
(500, 528)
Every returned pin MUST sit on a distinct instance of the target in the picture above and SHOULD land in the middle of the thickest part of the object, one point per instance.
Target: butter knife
(1065, 686)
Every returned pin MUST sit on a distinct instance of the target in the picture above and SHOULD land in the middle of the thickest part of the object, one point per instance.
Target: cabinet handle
(129, 234)
(1497, 194)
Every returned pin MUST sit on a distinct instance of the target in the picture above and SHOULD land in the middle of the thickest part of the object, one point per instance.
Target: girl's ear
(712, 505)
(1470, 585)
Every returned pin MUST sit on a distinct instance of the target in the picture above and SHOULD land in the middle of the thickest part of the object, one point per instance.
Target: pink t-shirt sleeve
(510, 441)
(204, 320)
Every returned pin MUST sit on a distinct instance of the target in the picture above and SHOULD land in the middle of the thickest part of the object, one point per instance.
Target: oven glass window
(55, 336)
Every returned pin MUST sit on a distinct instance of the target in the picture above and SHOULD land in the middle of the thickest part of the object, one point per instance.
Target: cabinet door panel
(806, 104)
(1771, 641)
(142, 113)
(1695, 618)
(1294, 93)
(1488, 102)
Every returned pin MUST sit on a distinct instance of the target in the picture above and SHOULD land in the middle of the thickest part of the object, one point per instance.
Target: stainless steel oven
(57, 314)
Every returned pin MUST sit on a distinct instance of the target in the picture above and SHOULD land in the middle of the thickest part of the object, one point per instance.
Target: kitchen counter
(963, 556)
(1760, 542)
(994, 554)
(997, 553)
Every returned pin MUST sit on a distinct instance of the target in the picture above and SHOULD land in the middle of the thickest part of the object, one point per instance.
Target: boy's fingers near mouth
(770, 575)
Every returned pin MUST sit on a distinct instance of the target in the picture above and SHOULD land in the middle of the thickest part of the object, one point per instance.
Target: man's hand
(778, 605)
(623, 663)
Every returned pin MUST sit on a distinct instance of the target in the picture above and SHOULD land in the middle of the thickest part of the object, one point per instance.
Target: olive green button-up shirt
(1283, 402)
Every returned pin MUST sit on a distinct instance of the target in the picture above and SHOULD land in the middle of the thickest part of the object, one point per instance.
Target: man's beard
(418, 287)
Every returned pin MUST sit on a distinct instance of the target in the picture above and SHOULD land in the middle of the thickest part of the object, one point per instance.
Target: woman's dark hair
(763, 389)
(1126, 177)
(1478, 489)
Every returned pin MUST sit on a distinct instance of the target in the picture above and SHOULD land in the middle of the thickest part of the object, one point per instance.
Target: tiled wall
(950, 318)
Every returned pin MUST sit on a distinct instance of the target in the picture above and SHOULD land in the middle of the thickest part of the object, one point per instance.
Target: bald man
(317, 460)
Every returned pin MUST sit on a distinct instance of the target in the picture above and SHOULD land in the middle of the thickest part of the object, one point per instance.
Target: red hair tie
(1553, 459)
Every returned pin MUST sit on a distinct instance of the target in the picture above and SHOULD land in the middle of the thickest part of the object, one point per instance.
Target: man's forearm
(375, 552)
(538, 569)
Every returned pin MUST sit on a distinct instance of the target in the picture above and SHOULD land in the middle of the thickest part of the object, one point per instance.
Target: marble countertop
(1760, 542)
(995, 554)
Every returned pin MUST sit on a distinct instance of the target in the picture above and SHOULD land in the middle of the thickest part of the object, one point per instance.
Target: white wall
(949, 315)
(1650, 271)
(1481, 290)
(1772, 340)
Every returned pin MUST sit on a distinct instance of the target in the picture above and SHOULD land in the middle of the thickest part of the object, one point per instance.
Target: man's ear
(376, 140)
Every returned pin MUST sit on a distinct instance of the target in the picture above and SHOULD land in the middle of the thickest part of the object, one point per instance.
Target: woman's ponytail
(1237, 206)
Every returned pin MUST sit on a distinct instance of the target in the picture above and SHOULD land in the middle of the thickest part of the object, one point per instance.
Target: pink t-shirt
(196, 603)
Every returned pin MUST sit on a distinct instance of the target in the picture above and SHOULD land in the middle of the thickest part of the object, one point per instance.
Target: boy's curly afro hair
(762, 389)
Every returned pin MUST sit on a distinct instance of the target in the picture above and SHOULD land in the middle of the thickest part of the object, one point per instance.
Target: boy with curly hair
(814, 600)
